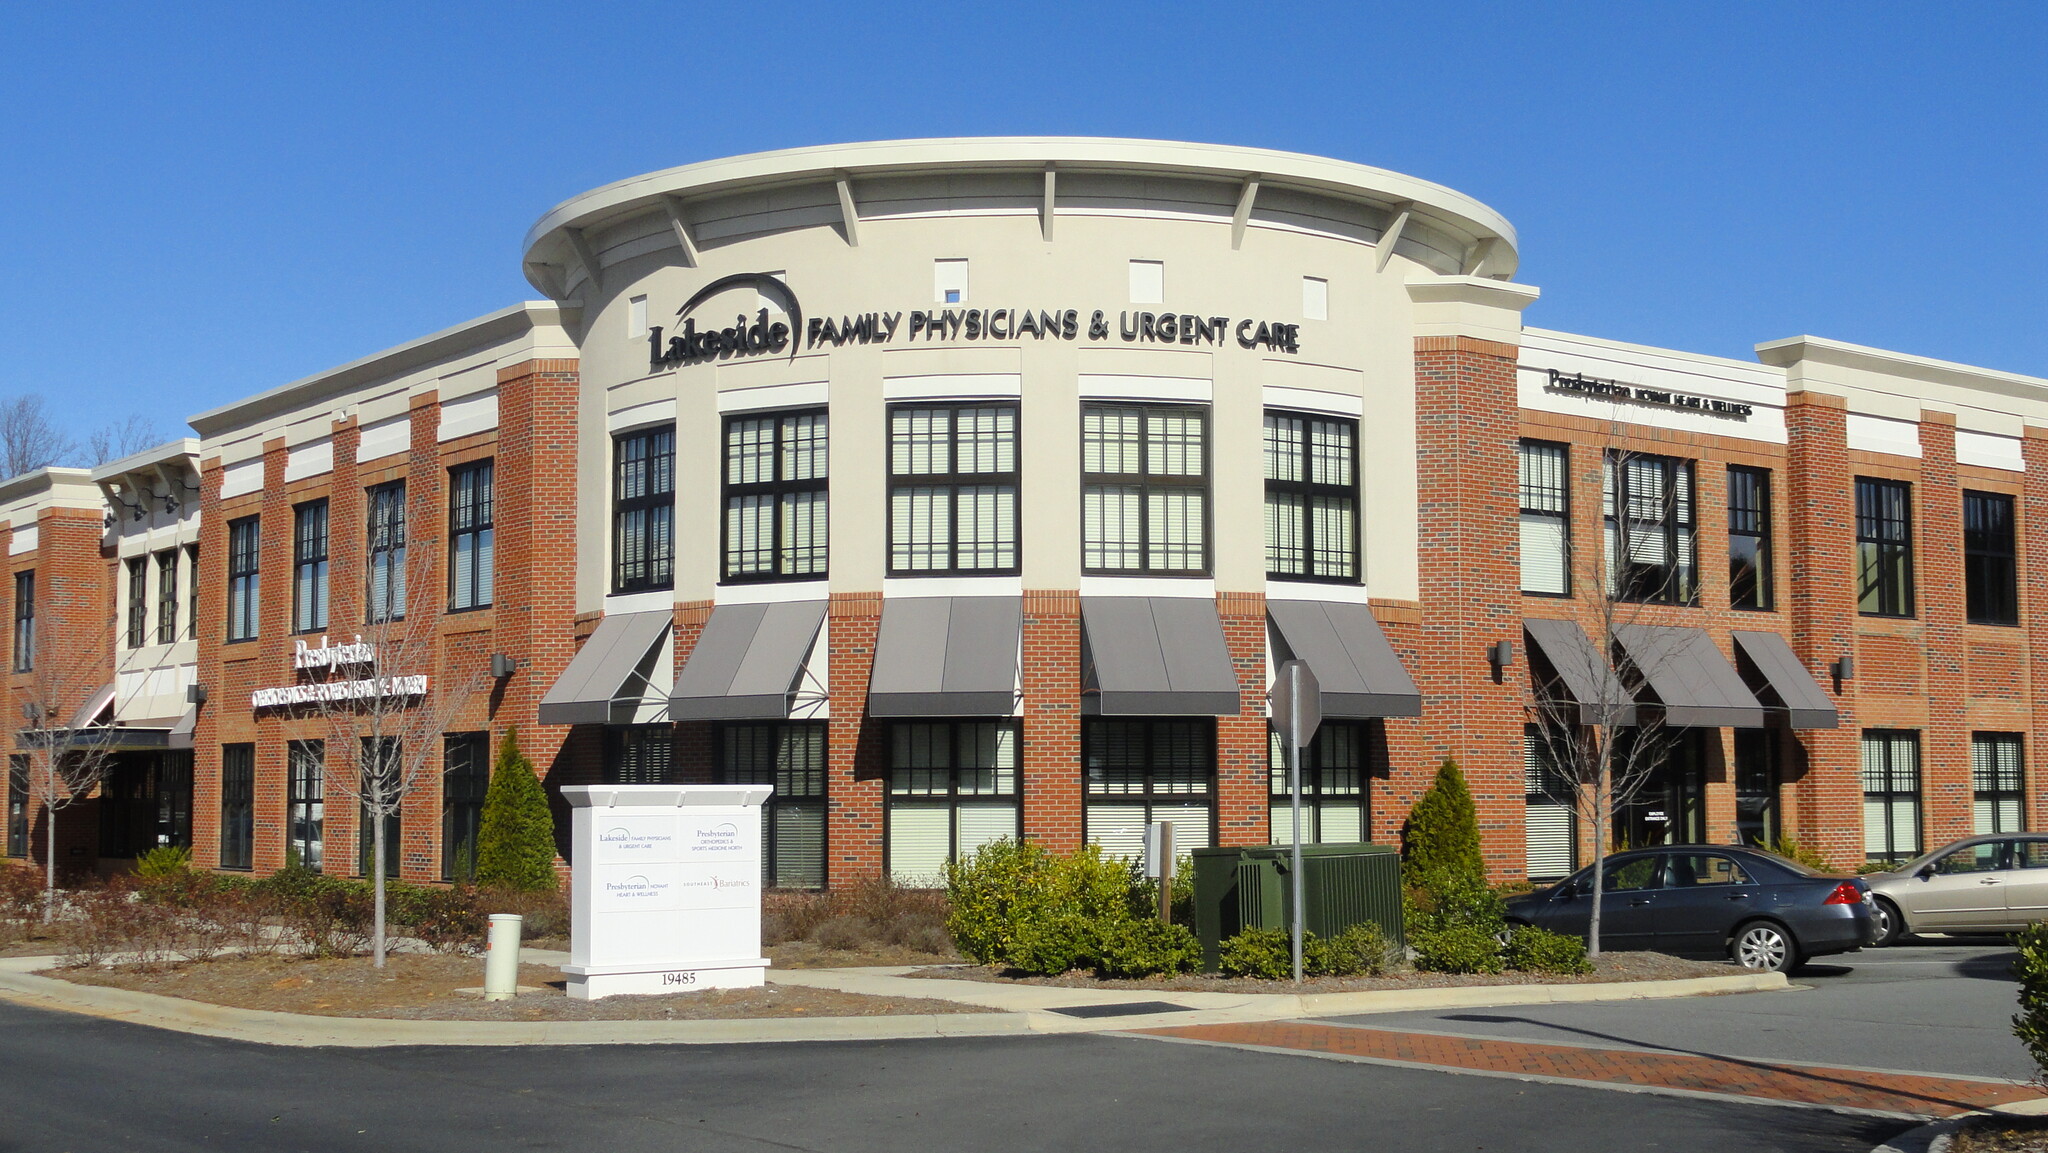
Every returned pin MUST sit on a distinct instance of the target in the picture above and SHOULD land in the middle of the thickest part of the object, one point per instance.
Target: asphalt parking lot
(1937, 1006)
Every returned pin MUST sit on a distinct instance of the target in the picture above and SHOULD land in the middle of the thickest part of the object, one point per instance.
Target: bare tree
(385, 704)
(29, 439)
(1600, 745)
(67, 755)
(111, 442)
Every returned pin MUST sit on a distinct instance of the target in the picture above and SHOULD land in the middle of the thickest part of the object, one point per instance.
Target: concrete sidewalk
(1012, 1009)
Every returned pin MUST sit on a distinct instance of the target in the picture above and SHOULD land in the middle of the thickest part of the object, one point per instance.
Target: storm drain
(1122, 1009)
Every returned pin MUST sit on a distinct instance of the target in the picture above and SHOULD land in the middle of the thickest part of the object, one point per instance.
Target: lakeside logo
(624, 840)
(636, 889)
(723, 838)
(743, 339)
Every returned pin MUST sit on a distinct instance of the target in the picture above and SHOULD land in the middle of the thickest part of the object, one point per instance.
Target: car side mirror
(1925, 871)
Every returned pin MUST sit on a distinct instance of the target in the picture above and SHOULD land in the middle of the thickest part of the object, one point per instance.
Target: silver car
(1995, 883)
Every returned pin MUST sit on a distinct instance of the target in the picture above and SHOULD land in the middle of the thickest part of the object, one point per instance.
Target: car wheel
(1766, 947)
(1891, 924)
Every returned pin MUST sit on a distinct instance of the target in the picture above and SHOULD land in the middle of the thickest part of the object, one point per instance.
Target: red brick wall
(857, 759)
(1051, 765)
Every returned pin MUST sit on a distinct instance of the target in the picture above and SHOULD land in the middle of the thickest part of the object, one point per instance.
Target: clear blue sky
(200, 202)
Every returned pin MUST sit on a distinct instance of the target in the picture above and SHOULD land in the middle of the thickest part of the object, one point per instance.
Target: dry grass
(873, 918)
(2002, 1135)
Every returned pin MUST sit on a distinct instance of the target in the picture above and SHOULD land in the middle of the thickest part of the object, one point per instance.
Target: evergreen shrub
(1457, 949)
(1263, 953)
(1442, 833)
(1145, 948)
(516, 837)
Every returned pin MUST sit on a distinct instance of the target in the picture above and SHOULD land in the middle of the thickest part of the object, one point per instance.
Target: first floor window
(1756, 787)
(952, 789)
(1549, 822)
(17, 806)
(1136, 772)
(174, 799)
(639, 754)
(789, 755)
(1333, 798)
(305, 800)
(237, 805)
(1998, 781)
(1891, 794)
(382, 775)
(466, 778)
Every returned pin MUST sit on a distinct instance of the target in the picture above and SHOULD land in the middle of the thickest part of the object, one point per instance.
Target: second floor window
(167, 596)
(643, 510)
(309, 566)
(387, 552)
(244, 551)
(24, 621)
(1651, 535)
(471, 537)
(952, 489)
(1311, 497)
(1990, 563)
(775, 498)
(138, 602)
(1884, 547)
(1144, 490)
(191, 591)
(1546, 518)
(1749, 538)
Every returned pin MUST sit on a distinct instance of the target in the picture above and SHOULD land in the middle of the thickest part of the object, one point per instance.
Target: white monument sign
(666, 891)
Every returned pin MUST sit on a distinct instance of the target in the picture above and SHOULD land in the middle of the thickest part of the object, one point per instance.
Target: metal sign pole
(1297, 711)
(1294, 746)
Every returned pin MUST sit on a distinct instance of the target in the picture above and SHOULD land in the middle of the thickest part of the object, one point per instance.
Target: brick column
(457, 659)
(1398, 747)
(857, 760)
(1945, 792)
(1051, 765)
(2032, 535)
(1822, 793)
(696, 741)
(1242, 747)
(535, 585)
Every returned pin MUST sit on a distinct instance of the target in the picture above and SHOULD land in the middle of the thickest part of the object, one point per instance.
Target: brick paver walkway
(1922, 1095)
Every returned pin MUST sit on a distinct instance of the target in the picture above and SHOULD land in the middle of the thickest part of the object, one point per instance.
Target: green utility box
(1247, 886)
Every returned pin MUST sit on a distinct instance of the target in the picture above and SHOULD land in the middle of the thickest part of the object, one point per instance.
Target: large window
(1138, 772)
(191, 591)
(1546, 518)
(952, 789)
(471, 536)
(791, 756)
(138, 601)
(952, 489)
(1311, 497)
(309, 566)
(244, 591)
(1757, 786)
(387, 552)
(1549, 825)
(1749, 537)
(465, 779)
(305, 800)
(167, 596)
(639, 754)
(643, 510)
(1333, 787)
(1998, 783)
(1884, 547)
(775, 499)
(237, 805)
(1144, 489)
(1891, 794)
(24, 621)
(174, 798)
(1651, 545)
(1990, 565)
(383, 772)
(17, 805)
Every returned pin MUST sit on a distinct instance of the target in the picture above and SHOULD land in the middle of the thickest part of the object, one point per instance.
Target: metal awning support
(612, 674)
(747, 662)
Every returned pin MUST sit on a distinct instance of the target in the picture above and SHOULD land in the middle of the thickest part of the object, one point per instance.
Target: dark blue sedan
(1754, 908)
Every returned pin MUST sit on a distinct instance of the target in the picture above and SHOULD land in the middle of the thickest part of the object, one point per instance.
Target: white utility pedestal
(665, 895)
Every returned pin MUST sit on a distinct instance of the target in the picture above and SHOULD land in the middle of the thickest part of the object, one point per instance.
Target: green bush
(446, 920)
(1263, 953)
(516, 836)
(2030, 966)
(1148, 948)
(1457, 949)
(1792, 850)
(1053, 944)
(1442, 833)
(1533, 950)
(1012, 903)
(163, 861)
(1444, 898)
(1877, 867)
(1363, 950)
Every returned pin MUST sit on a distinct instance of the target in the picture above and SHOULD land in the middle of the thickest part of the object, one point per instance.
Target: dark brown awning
(1155, 656)
(1360, 673)
(1781, 681)
(1694, 683)
(946, 657)
(747, 662)
(610, 675)
(1583, 671)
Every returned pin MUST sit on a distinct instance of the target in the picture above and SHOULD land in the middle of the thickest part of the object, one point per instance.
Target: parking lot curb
(1012, 1010)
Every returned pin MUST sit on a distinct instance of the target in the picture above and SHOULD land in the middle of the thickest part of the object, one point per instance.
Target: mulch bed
(2002, 1135)
(1608, 967)
(419, 987)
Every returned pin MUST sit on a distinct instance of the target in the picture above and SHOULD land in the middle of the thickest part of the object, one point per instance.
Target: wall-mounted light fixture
(195, 694)
(502, 666)
(1844, 669)
(1500, 655)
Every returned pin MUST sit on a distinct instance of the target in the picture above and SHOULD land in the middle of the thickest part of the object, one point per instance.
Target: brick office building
(973, 488)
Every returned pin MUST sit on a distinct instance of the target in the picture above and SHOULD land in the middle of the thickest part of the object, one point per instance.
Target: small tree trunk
(50, 863)
(1601, 800)
(377, 883)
